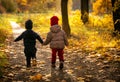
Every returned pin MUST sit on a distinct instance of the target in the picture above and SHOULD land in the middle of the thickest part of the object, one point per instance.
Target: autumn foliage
(4, 33)
(102, 7)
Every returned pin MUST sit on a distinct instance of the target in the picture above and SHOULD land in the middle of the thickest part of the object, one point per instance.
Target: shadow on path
(60, 76)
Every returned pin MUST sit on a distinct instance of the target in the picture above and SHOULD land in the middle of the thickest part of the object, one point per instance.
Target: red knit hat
(54, 20)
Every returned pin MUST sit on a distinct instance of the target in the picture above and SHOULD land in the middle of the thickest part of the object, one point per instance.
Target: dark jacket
(29, 38)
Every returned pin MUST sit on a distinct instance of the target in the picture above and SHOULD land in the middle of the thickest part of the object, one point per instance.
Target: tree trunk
(65, 22)
(85, 10)
(116, 15)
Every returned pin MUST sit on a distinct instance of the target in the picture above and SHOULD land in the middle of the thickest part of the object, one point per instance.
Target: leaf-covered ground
(80, 66)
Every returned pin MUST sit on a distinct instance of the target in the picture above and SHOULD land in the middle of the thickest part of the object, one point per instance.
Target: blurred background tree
(32, 6)
(65, 21)
(7, 6)
(85, 10)
(2, 9)
(116, 16)
(36, 6)
(101, 7)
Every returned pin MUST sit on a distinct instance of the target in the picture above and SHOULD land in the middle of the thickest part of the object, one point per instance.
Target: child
(29, 38)
(57, 39)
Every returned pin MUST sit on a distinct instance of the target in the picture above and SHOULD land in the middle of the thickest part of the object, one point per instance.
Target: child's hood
(55, 28)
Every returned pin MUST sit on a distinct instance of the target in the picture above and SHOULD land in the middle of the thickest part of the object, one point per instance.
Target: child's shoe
(28, 66)
(34, 62)
(61, 65)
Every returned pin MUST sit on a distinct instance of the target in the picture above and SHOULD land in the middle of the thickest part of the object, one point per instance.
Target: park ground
(79, 65)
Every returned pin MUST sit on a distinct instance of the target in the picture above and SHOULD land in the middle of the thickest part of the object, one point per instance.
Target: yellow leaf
(80, 79)
(69, 71)
(36, 77)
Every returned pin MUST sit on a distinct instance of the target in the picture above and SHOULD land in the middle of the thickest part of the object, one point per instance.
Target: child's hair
(28, 24)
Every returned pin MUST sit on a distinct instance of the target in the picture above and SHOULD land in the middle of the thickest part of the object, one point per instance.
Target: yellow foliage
(22, 2)
(5, 28)
(94, 35)
(3, 59)
(102, 6)
(3, 34)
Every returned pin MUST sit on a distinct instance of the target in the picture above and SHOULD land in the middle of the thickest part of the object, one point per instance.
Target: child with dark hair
(58, 40)
(29, 39)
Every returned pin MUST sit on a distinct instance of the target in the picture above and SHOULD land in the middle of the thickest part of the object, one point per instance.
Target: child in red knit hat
(58, 40)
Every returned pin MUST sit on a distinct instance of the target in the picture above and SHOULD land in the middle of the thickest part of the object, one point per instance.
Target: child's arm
(40, 39)
(48, 39)
(19, 38)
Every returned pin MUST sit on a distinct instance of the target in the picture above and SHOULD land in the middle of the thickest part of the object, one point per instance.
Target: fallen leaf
(36, 77)
(11, 74)
(78, 67)
(48, 75)
(80, 79)
(100, 71)
(69, 71)
(89, 76)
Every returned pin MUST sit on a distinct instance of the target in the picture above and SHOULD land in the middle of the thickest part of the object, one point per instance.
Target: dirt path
(80, 66)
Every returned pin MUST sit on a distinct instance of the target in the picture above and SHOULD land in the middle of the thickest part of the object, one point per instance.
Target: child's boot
(28, 66)
(34, 62)
(28, 62)
(61, 65)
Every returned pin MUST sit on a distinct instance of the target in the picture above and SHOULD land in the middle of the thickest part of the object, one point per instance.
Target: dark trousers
(30, 54)
(60, 53)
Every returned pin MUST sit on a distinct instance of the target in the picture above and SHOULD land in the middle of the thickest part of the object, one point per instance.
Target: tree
(116, 14)
(7, 6)
(64, 11)
(2, 9)
(84, 10)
